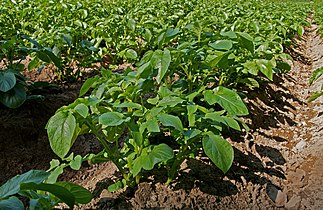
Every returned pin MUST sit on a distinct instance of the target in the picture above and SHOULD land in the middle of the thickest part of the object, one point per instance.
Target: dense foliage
(190, 60)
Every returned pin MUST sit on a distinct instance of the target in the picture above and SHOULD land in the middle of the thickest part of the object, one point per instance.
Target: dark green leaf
(12, 186)
(316, 75)
(60, 192)
(87, 85)
(7, 81)
(82, 195)
(247, 41)
(171, 120)
(218, 150)
(14, 97)
(12, 203)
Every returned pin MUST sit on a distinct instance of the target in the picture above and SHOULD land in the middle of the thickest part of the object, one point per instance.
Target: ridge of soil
(277, 165)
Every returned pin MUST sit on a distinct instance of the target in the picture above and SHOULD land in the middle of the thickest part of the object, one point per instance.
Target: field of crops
(190, 65)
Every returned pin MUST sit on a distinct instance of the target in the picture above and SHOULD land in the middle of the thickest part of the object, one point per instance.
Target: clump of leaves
(314, 77)
(41, 194)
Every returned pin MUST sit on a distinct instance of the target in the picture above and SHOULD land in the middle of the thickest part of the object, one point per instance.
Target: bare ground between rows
(277, 164)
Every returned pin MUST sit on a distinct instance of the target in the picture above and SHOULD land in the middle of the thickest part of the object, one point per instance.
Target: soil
(277, 164)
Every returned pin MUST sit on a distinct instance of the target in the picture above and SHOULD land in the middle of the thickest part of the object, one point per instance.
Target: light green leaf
(82, 109)
(218, 150)
(76, 163)
(131, 54)
(221, 45)
(112, 119)
(170, 101)
(60, 129)
(228, 99)
(316, 75)
(162, 65)
(191, 109)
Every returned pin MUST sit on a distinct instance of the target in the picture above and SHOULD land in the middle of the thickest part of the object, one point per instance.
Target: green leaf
(128, 105)
(115, 187)
(131, 24)
(12, 186)
(315, 95)
(162, 65)
(12, 203)
(131, 54)
(53, 58)
(60, 129)
(250, 82)
(218, 60)
(82, 195)
(150, 156)
(170, 101)
(14, 97)
(266, 67)
(82, 109)
(190, 134)
(43, 56)
(221, 45)
(34, 63)
(7, 81)
(152, 125)
(39, 204)
(316, 75)
(246, 41)
(228, 99)
(191, 109)
(171, 120)
(112, 119)
(218, 150)
(60, 192)
(230, 34)
(87, 85)
(76, 163)
(251, 67)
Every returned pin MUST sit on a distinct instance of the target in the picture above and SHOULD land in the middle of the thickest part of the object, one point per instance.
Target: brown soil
(277, 164)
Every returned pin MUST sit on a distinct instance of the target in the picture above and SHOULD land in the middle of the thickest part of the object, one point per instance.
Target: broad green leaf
(153, 101)
(43, 56)
(55, 174)
(251, 67)
(131, 54)
(163, 65)
(82, 109)
(7, 81)
(112, 119)
(228, 99)
(221, 45)
(131, 24)
(14, 97)
(316, 75)
(12, 203)
(218, 60)
(170, 101)
(247, 41)
(152, 125)
(82, 195)
(190, 134)
(60, 192)
(12, 186)
(218, 150)
(54, 58)
(230, 34)
(170, 120)
(266, 67)
(60, 129)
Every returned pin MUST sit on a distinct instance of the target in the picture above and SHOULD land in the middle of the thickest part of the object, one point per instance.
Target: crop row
(192, 63)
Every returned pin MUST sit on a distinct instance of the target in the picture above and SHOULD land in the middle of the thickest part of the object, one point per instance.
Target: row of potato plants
(88, 31)
(184, 92)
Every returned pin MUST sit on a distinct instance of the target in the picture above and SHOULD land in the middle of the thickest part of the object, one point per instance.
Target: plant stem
(108, 149)
(179, 159)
